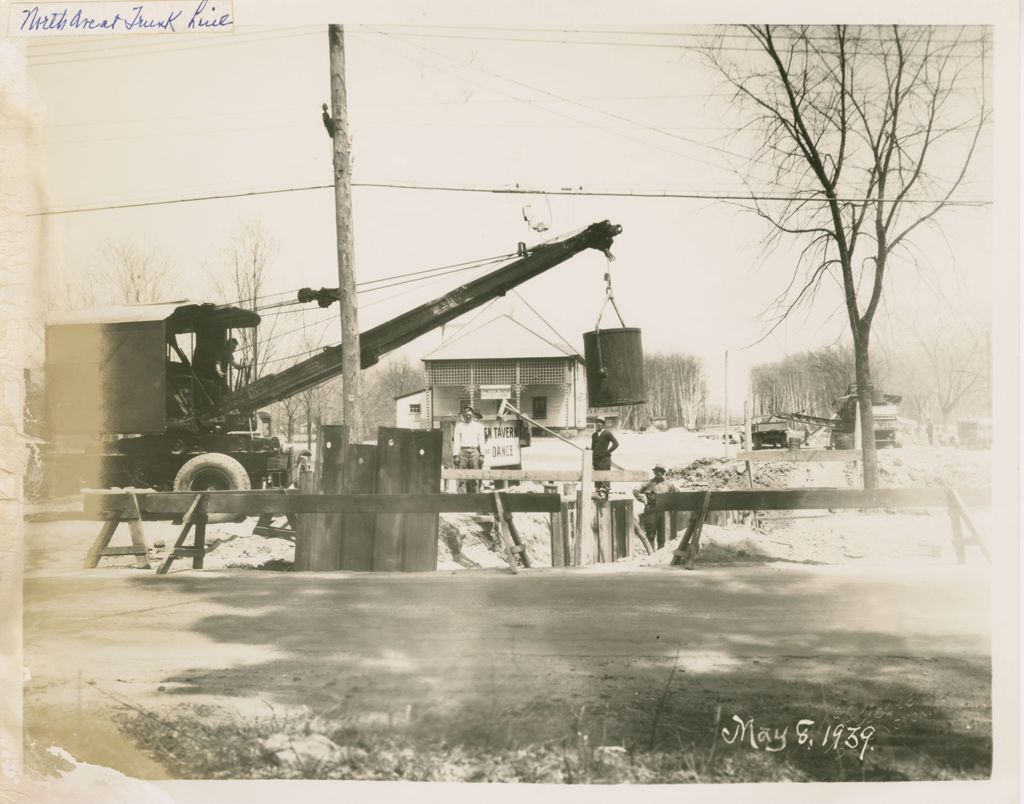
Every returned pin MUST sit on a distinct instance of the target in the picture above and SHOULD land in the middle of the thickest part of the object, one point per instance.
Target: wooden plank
(92, 558)
(306, 524)
(965, 515)
(186, 524)
(622, 529)
(325, 536)
(800, 455)
(357, 529)
(131, 550)
(170, 505)
(422, 476)
(393, 449)
(545, 475)
(517, 540)
(800, 499)
(499, 526)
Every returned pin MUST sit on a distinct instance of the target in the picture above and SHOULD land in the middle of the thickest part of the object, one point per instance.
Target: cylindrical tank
(615, 367)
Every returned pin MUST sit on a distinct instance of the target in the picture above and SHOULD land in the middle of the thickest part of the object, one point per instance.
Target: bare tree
(867, 139)
(134, 275)
(956, 362)
(240, 277)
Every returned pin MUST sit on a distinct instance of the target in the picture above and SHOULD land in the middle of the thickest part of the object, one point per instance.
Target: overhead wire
(492, 190)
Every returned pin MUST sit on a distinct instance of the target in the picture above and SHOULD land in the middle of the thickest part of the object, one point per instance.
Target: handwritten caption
(807, 734)
(159, 16)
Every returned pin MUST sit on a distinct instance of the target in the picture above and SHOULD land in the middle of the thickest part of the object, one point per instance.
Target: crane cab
(126, 388)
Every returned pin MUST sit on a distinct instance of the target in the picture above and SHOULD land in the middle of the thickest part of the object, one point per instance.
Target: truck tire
(213, 471)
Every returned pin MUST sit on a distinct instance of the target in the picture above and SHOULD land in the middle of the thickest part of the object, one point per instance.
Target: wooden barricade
(701, 502)
(193, 507)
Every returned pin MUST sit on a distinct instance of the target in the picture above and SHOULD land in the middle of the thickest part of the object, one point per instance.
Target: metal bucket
(615, 367)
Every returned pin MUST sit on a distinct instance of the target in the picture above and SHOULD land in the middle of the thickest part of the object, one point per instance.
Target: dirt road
(649, 658)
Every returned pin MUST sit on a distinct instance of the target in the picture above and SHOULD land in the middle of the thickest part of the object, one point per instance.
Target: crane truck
(126, 405)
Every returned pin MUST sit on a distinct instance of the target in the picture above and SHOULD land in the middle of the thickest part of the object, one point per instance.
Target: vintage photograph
(481, 402)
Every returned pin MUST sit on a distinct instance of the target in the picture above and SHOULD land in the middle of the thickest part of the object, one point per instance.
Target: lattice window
(549, 371)
(447, 373)
(494, 372)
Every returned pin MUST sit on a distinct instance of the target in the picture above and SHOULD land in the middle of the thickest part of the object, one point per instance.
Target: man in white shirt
(468, 446)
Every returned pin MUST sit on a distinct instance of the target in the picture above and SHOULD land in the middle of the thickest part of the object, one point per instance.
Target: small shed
(411, 410)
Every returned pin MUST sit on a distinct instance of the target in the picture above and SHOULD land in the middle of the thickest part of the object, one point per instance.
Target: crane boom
(384, 338)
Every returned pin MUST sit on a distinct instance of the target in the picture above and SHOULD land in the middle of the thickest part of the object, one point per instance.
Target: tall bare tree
(866, 137)
(239, 276)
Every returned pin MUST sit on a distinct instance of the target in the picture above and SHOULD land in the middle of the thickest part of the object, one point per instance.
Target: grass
(662, 745)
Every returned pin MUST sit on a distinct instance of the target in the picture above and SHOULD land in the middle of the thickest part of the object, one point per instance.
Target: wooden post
(585, 512)
(605, 542)
(556, 524)
(326, 536)
(350, 357)
(138, 537)
(749, 434)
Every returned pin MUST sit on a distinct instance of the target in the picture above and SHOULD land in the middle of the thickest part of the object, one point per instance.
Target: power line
(693, 196)
(613, 115)
(530, 102)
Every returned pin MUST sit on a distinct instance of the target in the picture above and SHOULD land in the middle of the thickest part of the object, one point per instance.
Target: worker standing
(468, 446)
(602, 445)
(653, 522)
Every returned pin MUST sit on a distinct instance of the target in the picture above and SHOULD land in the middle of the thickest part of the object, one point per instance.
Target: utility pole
(350, 361)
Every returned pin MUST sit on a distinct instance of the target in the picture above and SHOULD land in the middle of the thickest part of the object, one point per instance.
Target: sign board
(502, 444)
(495, 391)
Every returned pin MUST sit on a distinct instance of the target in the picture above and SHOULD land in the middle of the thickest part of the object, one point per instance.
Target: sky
(627, 109)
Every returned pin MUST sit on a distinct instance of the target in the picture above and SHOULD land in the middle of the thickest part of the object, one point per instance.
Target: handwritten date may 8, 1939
(807, 733)
(200, 15)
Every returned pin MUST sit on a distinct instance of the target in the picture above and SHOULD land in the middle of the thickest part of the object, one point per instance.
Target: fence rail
(799, 499)
(170, 505)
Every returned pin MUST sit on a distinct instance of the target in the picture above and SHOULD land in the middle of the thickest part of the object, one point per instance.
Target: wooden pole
(725, 411)
(350, 358)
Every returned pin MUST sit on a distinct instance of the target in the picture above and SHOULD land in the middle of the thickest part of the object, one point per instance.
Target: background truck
(774, 433)
(128, 403)
(842, 423)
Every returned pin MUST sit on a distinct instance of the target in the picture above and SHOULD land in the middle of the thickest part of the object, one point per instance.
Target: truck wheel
(213, 471)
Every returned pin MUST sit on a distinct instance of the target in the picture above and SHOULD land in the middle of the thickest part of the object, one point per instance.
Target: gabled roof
(500, 338)
(410, 393)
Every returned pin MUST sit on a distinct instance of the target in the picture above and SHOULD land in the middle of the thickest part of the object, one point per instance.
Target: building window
(540, 407)
(463, 404)
(415, 409)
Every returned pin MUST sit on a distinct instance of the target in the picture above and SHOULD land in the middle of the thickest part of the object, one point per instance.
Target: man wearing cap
(602, 444)
(468, 445)
(653, 522)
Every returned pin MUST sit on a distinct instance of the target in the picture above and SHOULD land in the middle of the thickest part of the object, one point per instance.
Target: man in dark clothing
(603, 444)
(653, 522)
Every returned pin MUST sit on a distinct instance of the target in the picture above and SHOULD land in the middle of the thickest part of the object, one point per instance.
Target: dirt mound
(719, 473)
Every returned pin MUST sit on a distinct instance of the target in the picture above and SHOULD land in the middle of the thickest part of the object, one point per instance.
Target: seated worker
(653, 522)
(228, 360)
